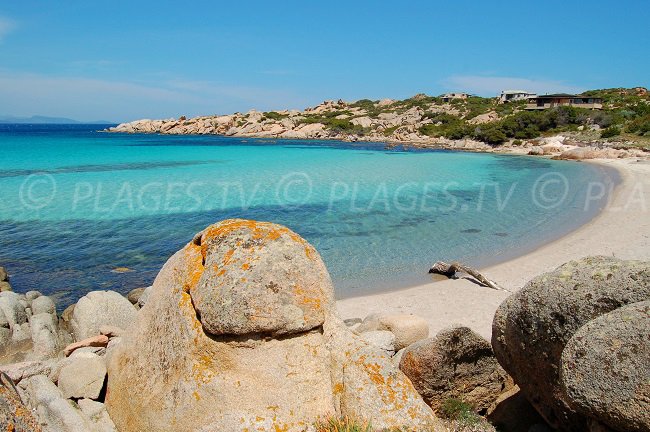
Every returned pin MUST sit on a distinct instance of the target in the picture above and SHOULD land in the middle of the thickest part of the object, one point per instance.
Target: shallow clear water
(76, 204)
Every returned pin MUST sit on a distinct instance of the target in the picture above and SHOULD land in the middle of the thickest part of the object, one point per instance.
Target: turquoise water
(76, 204)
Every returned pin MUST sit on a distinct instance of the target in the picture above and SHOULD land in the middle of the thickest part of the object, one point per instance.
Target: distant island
(47, 120)
(617, 117)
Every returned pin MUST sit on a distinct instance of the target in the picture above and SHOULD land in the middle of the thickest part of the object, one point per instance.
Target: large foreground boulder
(239, 333)
(99, 308)
(606, 368)
(532, 327)
(456, 364)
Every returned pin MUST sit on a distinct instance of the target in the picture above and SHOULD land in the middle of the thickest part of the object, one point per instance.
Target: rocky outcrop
(98, 308)
(456, 364)
(239, 333)
(532, 327)
(606, 368)
(29, 328)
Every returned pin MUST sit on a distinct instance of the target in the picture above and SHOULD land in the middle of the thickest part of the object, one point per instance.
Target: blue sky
(121, 60)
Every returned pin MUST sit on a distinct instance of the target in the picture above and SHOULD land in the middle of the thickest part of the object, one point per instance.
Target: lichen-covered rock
(14, 416)
(531, 327)
(247, 286)
(368, 385)
(99, 308)
(246, 366)
(606, 368)
(458, 364)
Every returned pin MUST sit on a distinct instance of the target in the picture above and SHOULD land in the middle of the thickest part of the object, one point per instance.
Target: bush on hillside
(611, 131)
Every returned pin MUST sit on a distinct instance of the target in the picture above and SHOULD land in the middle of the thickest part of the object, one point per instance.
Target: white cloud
(6, 27)
(493, 85)
(26, 94)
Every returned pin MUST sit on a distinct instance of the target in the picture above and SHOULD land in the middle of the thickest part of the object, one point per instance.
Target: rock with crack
(239, 333)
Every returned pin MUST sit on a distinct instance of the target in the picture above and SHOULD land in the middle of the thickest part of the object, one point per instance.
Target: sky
(124, 60)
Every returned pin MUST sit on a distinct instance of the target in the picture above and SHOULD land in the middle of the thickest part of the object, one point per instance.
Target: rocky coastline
(239, 332)
(387, 121)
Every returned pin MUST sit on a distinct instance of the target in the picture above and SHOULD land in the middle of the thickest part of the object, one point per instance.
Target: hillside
(427, 120)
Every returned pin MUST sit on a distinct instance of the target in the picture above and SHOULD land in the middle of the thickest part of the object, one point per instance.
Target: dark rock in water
(4, 277)
(606, 368)
(471, 231)
(458, 364)
(532, 327)
(501, 234)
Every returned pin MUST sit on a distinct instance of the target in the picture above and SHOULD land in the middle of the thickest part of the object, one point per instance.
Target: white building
(449, 96)
(515, 95)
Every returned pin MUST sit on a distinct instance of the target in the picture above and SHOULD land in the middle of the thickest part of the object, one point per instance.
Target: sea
(84, 210)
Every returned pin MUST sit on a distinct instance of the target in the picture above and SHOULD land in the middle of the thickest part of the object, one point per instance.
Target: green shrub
(639, 126)
(273, 115)
(456, 409)
(611, 131)
(490, 133)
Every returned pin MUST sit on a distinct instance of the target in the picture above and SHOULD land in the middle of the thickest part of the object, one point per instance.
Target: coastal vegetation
(430, 120)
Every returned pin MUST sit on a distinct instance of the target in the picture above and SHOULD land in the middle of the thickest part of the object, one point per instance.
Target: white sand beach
(622, 229)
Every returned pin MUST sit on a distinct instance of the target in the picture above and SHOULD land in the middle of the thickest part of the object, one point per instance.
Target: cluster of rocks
(29, 327)
(61, 377)
(239, 332)
(455, 364)
(577, 342)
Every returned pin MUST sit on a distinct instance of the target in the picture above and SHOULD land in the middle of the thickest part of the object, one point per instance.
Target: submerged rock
(532, 327)
(239, 333)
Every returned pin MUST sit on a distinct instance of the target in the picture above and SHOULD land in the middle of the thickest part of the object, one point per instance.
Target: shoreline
(621, 229)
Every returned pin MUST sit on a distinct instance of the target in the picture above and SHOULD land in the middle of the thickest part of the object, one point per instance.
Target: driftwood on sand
(450, 271)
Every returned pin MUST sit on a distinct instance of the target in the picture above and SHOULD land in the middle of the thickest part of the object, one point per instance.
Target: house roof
(516, 92)
(559, 95)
